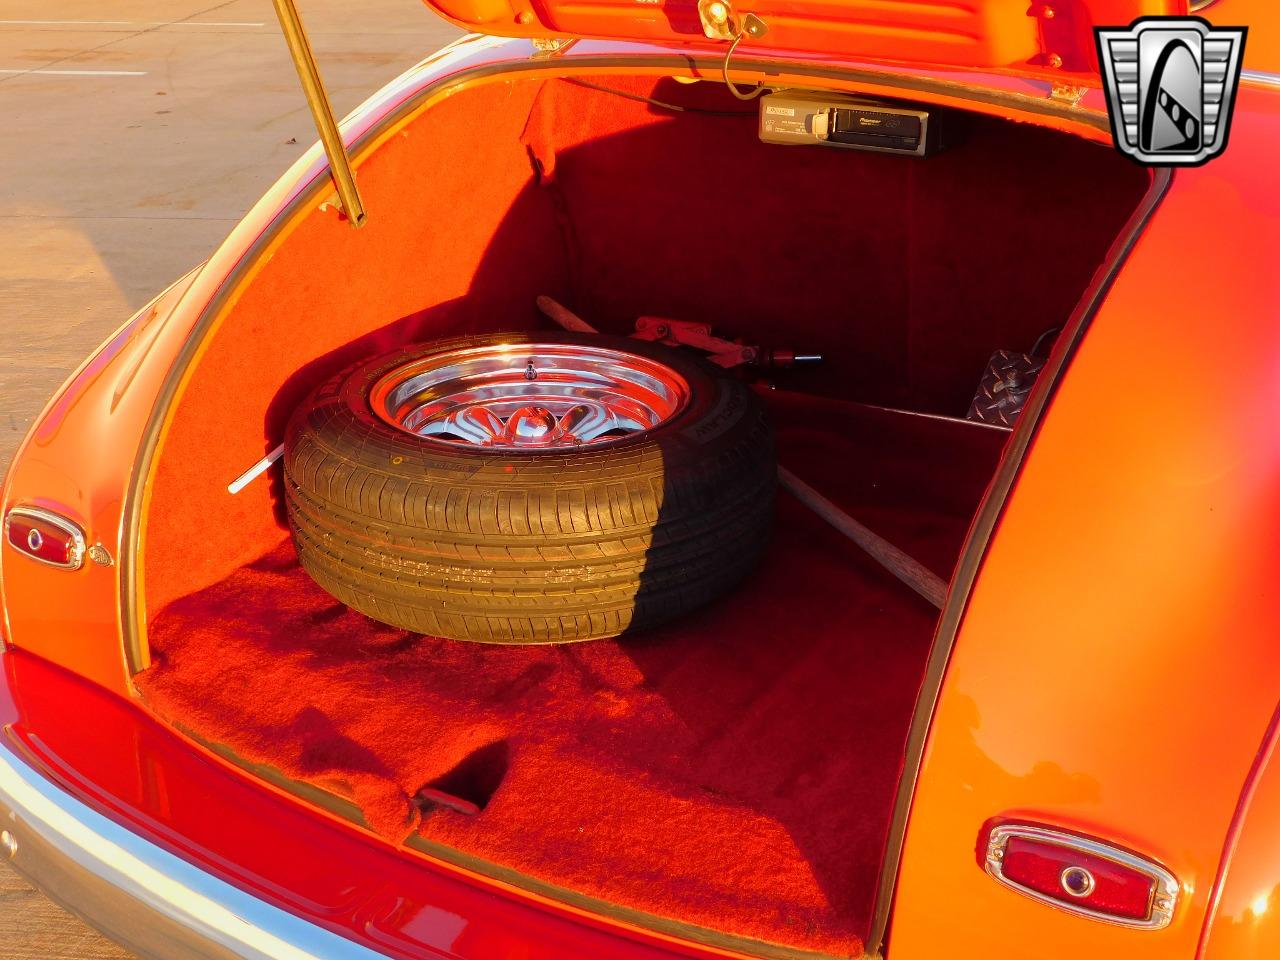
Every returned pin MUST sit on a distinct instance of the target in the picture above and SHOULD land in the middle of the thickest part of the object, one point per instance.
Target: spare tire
(530, 488)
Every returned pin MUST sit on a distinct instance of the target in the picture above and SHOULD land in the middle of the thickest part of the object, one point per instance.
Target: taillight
(45, 536)
(1082, 875)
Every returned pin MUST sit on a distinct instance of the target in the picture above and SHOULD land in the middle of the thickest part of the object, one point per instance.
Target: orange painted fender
(1118, 665)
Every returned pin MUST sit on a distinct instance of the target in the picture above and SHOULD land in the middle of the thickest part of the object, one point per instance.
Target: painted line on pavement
(76, 73)
(132, 23)
(41, 23)
(209, 23)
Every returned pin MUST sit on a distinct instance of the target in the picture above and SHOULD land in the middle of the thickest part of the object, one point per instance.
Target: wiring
(733, 87)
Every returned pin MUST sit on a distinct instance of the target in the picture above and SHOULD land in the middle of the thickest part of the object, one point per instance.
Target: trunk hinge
(544, 47)
(321, 111)
(1068, 93)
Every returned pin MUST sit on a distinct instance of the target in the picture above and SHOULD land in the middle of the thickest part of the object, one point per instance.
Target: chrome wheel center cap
(531, 425)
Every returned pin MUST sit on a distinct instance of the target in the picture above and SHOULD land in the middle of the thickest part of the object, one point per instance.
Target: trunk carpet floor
(735, 771)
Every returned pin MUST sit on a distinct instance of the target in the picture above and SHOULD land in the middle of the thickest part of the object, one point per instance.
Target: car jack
(685, 333)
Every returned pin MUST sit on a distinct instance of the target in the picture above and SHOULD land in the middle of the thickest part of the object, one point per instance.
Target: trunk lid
(1036, 37)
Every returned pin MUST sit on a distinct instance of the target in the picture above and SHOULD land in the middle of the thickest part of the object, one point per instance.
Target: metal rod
(563, 316)
(257, 470)
(903, 566)
(321, 111)
(906, 568)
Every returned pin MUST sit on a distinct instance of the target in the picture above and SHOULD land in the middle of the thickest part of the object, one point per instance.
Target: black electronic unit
(833, 120)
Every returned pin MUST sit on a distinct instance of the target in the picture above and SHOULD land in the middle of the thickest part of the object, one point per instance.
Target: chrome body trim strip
(70, 528)
(1257, 76)
(153, 902)
(1163, 901)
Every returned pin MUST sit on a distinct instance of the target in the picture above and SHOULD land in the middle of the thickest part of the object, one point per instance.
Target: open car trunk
(729, 777)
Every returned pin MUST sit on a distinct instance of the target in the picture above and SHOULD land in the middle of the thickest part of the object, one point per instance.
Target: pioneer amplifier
(799, 117)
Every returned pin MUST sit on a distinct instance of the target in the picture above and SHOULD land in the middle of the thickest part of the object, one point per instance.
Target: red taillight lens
(45, 536)
(1082, 875)
(1078, 878)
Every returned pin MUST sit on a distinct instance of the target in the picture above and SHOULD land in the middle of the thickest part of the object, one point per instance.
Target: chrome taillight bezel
(1163, 901)
(76, 541)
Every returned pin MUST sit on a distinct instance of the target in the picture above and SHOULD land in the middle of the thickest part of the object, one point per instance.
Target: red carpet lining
(906, 274)
(734, 771)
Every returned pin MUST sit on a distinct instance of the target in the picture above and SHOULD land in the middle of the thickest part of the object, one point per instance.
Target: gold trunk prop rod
(321, 110)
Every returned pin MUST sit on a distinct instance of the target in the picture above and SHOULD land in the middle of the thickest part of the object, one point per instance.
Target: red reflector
(45, 536)
(1082, 875)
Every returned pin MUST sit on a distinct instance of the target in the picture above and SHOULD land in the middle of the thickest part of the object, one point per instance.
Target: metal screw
(100, 555)
(1048, 13)
(1055, 61)
(530, 373)
(35, 540)
(753, 26)
(9, 842)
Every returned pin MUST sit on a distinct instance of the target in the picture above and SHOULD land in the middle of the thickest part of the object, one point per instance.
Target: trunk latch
(721, 22)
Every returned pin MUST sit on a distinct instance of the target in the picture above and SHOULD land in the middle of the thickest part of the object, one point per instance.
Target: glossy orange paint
(1262, 51)
(1117, 670)
(1245, 924)
(76, 461)
(1032, 38)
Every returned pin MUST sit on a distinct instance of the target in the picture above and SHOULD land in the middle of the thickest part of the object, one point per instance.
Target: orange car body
(1116, 669)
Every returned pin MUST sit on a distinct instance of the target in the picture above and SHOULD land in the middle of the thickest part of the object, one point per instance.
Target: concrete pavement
(136, 133)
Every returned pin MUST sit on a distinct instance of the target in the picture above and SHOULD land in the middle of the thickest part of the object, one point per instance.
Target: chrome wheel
(528, 396)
